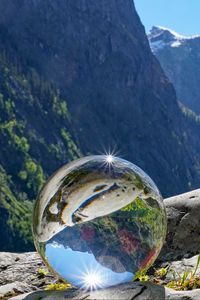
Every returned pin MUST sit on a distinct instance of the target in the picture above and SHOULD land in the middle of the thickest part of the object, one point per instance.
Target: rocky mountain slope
(180, 59)
(78, 77)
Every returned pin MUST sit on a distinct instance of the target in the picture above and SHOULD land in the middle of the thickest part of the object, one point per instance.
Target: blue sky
(75, 265)
(182, 16)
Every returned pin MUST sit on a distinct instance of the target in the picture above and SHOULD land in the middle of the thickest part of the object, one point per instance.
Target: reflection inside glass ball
(98, 221)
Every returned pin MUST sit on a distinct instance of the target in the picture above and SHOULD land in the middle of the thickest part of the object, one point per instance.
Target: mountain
(77, 77)
(180, 58)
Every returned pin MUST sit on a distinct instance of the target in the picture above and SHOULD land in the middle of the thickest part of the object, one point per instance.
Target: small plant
(141, 276)
(144, 278)
(187, 281)
(58, 286)
(42, 272)
(160, 273)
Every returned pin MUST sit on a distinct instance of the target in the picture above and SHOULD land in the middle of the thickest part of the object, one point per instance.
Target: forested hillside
(34, 141)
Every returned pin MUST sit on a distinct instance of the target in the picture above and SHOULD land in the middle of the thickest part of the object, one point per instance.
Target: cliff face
(179, 57)
(98, 57)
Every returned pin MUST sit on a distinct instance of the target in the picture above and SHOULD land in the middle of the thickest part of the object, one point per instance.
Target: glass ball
(98, 221)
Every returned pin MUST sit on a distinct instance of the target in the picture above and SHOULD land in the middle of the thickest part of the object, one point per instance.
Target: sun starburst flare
(109, 158)
(92, 280)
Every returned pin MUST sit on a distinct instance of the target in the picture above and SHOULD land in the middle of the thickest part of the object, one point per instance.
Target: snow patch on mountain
(160, 37)
(161, 29)
(176, 44)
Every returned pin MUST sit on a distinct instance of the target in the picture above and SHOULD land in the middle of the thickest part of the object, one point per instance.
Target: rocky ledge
(23, 276)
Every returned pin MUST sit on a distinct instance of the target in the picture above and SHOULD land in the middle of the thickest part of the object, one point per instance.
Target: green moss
(58, 286)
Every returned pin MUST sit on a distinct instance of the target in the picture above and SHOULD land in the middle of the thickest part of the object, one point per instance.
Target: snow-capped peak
(160, 30)
(160, 37)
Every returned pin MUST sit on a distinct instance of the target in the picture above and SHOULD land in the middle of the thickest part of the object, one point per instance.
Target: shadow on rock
(136, 291)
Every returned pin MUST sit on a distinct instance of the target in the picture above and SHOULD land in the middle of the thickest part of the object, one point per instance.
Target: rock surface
(23, 276)
(126, 291)
(183, 237)
(21, 273)
(180, 266)
(131, 291)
